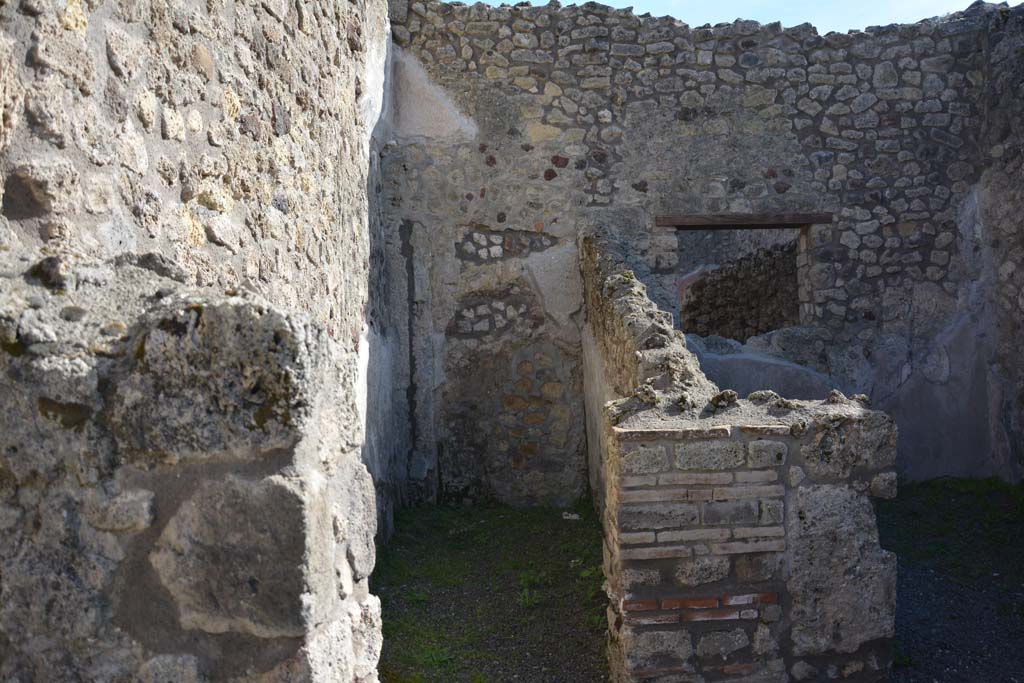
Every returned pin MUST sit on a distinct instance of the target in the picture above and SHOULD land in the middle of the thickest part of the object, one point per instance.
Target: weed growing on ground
(902, 660)
(970, 529)
(486, 594)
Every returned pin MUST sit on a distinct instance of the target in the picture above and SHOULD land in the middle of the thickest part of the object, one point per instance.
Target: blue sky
(826, 15)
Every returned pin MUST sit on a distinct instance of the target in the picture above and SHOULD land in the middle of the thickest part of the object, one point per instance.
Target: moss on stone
(275, 407)
(69, 415)
(14, 348)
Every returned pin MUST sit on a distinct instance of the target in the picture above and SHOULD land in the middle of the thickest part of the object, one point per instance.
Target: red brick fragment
(689, 603)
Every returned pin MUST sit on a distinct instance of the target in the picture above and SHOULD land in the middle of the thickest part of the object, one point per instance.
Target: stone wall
(1000, 241)
(491, 272)
(757, 118)
(177, 499)
(755, 294)
(699, 250)
(185, 243)
(740, 540)
(266, 276)
(568, 114)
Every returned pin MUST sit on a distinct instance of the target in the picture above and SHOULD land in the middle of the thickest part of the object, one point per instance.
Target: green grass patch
(476, 594)
(902, 660)
(969, 529)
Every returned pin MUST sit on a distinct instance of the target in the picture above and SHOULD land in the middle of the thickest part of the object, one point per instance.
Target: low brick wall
(740, 540)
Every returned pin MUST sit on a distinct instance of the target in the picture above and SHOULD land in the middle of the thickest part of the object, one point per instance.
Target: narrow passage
(491, 595)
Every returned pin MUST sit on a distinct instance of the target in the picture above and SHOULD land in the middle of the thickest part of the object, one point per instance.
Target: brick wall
(740, 542)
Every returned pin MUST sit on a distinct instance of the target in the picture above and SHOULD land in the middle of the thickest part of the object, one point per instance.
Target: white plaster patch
(421, 108)
(362, 382)
(372, 102)
(555, 274)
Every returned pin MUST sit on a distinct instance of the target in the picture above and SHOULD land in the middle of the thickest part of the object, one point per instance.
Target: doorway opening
(740, 275)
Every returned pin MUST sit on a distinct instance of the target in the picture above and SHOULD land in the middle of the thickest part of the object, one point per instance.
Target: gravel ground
(956, 632)
(960, 600)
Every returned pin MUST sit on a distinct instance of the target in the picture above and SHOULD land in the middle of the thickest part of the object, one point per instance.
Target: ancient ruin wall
(755, 294)
(494, 291)
(757, 118)
(740, 541)
(584, 110)
(185, 261)
(997, 233)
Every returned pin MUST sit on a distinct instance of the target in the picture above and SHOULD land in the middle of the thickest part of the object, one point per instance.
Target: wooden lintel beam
(739, 221)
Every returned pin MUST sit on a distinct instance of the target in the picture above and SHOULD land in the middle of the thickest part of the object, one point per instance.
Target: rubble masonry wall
(188, 219)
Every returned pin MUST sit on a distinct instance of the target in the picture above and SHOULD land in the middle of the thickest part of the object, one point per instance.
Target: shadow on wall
(946, 408)
(947, 398)
(732, 365)
(515, 432)
(387, 364)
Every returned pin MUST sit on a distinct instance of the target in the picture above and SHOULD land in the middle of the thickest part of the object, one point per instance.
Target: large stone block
(721, 644)
(838, 445)
(710, 455)
(842, 584)
(208, 380)
(657, 649)
(232, 558)
(702, 570)
(658, 516)
(644, 460)
(732, 512)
